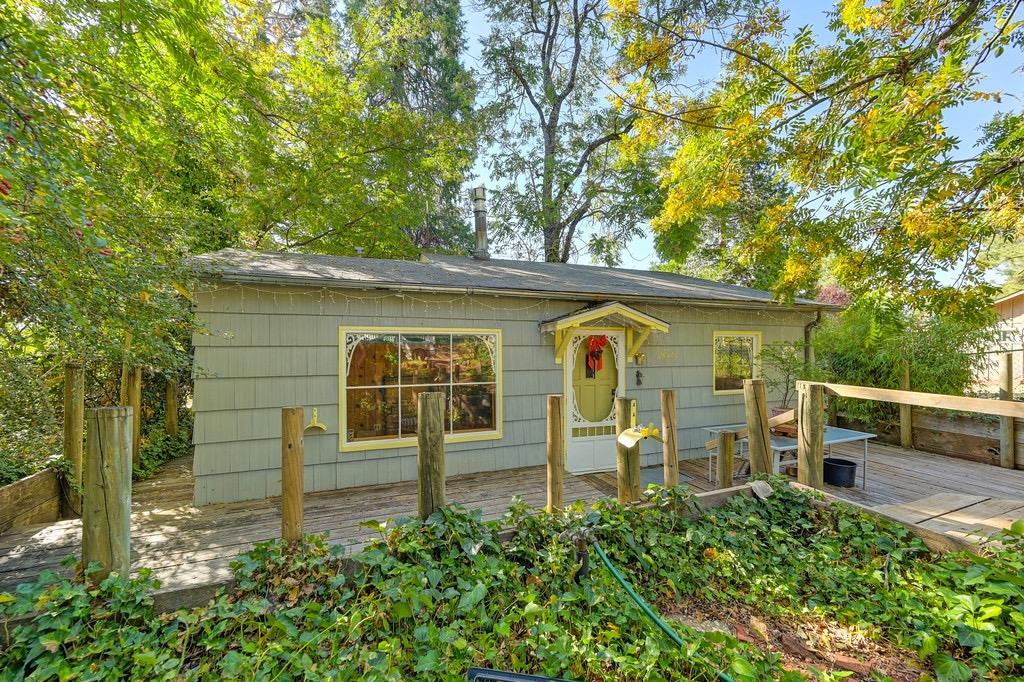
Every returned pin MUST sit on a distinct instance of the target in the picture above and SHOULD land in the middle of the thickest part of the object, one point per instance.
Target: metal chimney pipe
(479, 197)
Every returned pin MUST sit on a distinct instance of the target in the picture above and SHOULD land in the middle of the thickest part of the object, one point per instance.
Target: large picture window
(735, 359)
(384, 371)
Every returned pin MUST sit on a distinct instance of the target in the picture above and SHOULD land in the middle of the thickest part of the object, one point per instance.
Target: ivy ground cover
(430, 599)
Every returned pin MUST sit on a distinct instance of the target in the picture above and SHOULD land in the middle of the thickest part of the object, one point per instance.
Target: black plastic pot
(840, 472)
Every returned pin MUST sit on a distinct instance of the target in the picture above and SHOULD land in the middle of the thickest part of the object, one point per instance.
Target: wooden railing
(810, 416)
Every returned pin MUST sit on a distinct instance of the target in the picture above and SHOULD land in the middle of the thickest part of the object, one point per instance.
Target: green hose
(649, 612)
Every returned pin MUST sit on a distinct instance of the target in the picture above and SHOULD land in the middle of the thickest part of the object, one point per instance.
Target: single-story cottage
(355, 340)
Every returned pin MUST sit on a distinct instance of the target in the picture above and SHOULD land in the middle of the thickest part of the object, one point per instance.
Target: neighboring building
(356, 339)
(1009, 337)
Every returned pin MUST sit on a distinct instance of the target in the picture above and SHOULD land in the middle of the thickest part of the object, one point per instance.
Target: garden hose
(649, 612)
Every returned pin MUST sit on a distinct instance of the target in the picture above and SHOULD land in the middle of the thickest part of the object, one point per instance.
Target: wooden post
(810, 452)
(430, 452)
(669, 429)
(759, 433)
(906, 411)
(107, 491)
(556, 454)
(74, 424)
(1007, 437)
(171, 408)
(627, 460)
(725, 458)
(292, 474)
(135, 402)
(125, 368)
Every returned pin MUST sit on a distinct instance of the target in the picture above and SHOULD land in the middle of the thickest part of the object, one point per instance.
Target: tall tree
(855, 125)
(714, 244)
(362, 154)
(122, 129)
(418, 47)
(556, 159)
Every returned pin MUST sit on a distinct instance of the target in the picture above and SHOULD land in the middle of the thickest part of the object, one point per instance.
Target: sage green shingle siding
(269, 346)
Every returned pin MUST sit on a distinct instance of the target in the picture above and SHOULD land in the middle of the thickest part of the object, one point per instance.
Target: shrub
(429, 599)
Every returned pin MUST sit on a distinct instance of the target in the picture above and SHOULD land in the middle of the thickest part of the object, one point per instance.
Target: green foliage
(158, 448)
(30, 436)
(556, 135)
(868, 343)
(429, 599)
(715, 244)
(852, 119)
(136, 134)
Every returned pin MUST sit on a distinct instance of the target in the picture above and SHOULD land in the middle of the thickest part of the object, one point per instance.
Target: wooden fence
(33, 499)
(963, 436)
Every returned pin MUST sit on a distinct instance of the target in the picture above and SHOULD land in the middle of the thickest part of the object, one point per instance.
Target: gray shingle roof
(436, 272)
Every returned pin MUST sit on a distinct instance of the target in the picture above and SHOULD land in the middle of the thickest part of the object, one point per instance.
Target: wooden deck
(895, 475)
(185, 545)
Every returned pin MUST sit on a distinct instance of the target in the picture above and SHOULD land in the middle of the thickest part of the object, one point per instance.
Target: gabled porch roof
(638, 325)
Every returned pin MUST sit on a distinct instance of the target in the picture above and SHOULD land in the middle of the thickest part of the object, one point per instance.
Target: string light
(668, 311)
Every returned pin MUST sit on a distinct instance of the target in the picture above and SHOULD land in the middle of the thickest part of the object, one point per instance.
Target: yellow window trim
(385, 444)
(756, 369)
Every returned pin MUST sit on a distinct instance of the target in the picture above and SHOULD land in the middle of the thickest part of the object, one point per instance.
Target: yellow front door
(595, 377)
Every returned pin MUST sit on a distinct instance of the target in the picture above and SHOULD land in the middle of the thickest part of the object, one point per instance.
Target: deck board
(185, 545)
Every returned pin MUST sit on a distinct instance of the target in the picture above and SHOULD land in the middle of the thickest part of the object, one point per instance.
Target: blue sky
(1002, 74)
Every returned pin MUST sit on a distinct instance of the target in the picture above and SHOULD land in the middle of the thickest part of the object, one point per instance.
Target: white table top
(833, 436)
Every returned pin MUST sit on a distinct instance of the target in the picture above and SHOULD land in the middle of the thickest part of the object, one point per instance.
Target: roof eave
(524, 293)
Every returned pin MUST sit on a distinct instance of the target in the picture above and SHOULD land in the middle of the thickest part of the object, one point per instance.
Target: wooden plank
(171, 407)
(979, 520)
(430, 467)
(107, 491)
(556, 454)
(74, 428)
(292, 473)
(952, 422)
(33, 499)
(669, 433)
(1007, 456)
(135, 403)
(935, 541)
(627, 460)
(810, 452)
(932, 506)
(743, 433)
(906, 411)
(724, 460)
(755, 405)
(945, 402)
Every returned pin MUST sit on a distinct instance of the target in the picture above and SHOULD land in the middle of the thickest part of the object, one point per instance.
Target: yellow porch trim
(638, 326)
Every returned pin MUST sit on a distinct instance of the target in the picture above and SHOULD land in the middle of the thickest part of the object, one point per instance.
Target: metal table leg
(864, 475)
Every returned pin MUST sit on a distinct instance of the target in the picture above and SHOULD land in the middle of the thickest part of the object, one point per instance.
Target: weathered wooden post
(759, 432)
(292, 474)
(725, 458)
(669, 448)
(906, 411)
(1007, 435)
(74, 426)
(171, 407)
(125, 369)
(107, 491)
(135, 402)
(430, 452)
(556, 454)
(627, 460)
(810, 441)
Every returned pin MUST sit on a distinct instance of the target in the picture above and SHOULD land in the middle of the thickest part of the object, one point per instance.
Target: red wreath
(596, 345)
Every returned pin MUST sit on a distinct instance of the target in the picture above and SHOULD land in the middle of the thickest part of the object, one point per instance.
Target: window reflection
(386, 372)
